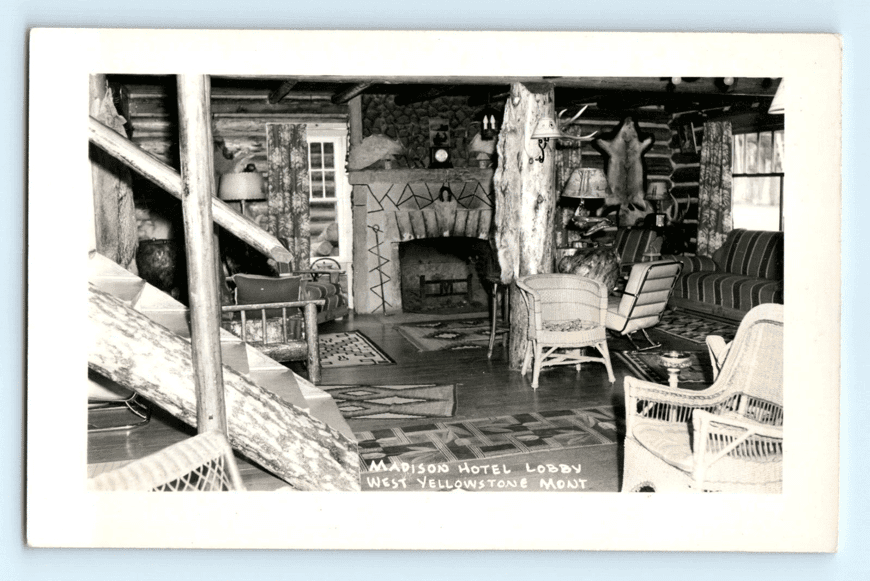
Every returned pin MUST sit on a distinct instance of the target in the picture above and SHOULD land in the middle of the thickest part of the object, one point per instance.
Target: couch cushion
(632, 243)
(752, 253)
(728, 290)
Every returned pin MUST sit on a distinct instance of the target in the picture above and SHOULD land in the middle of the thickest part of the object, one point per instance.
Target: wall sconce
(242, 187)
(548, 127)
(490, 123)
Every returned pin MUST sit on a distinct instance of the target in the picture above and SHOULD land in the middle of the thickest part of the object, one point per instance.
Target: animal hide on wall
(624, 151)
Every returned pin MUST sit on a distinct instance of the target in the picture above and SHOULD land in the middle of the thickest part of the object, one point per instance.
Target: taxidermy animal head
(624, 151)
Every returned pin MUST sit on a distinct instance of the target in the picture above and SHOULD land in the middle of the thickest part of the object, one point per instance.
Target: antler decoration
(569, 122)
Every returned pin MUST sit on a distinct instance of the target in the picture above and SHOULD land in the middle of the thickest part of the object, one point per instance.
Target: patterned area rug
(487, 438)
(455, 335)
(694, 327)
(350, 349)
(367, 402)
(646, 365)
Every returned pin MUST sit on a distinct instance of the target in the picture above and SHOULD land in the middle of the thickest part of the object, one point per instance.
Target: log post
(359, 209)
(197, 176)
(133, 351)
(525, 201)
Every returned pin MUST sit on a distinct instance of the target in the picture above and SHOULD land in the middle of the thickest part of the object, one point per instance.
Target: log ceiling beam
(347, 94)
(281, 92)
(421, 95)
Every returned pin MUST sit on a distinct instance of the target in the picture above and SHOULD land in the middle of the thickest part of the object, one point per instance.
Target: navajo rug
(496, 437)
(350, 349)
(694, 327)
(453, 335)
(367, 402)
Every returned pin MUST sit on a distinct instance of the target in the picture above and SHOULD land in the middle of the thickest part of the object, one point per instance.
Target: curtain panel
(714, 191)
(289, 214)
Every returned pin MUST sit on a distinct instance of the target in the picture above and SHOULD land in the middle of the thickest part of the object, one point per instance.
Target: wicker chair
(202, 463)
(566, 315)
(718, 349)
(725, 438)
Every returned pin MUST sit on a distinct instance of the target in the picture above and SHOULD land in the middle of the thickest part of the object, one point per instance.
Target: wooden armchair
(726, 438)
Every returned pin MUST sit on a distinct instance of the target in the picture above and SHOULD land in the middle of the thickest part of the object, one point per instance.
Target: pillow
(252, 289)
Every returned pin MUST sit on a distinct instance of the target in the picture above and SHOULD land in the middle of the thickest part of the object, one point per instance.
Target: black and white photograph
(400, 283)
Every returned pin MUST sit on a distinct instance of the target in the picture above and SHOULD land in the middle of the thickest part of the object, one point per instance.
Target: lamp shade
(657, 191)
(546, 128)
(777, 106)
(241, 186)
(586, 183)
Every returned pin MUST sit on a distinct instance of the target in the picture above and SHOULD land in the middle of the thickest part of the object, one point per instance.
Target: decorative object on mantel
(242, 187)
(484, 149)
(373, 149)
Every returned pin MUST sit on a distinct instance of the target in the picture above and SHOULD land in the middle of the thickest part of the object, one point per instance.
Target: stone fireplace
(392, 207)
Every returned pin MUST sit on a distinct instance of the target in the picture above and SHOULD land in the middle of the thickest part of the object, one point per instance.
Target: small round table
(674, 362)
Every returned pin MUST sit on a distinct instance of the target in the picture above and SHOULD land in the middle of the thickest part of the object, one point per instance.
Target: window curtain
(289, 214)
(714, 196)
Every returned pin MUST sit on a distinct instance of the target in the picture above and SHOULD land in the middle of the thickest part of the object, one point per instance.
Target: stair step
(282, 383)
(235, 356)
(125, 289)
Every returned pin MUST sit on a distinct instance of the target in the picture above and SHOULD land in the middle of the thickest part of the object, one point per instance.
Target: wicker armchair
(718, 349)
(727, 437)
(566, 315)
(202, 463)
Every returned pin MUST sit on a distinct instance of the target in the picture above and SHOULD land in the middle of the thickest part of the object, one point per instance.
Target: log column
(525, 201)
(197, 175)
(359, 201)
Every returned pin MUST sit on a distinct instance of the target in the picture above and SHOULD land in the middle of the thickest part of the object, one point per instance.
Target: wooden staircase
(163, 310)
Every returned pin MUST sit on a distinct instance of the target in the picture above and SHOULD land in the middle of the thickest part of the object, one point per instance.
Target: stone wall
(410, 125)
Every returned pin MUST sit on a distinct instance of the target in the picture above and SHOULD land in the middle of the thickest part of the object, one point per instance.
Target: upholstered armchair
(566, 315)
(726, 438)
(644, 299)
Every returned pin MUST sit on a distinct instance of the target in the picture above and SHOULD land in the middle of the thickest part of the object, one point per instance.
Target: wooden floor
(484, 388)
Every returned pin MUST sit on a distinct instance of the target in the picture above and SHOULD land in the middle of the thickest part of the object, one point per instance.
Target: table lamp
(657, 192)
(242, 187)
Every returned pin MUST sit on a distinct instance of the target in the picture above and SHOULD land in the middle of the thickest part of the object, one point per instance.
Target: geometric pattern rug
(648, 366)
(374, 402)
(453, 335)
(485, 438)
(350, 349)
(694, 327)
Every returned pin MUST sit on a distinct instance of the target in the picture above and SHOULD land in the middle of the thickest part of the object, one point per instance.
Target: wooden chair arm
(262, 306)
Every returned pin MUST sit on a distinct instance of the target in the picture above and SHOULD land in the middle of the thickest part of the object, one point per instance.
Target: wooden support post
(310, 314)
(359, 209)
(283, 439)
(197, 176)
(525, 201)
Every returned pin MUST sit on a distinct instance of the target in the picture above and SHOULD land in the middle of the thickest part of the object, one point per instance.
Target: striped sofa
(632, 244)
(744, 273)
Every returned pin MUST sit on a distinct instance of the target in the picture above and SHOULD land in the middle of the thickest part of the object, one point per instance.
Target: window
(757, 180)
(329, 198)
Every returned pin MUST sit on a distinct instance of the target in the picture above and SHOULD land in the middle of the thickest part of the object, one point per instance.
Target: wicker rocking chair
(566, 315)
(726, 438)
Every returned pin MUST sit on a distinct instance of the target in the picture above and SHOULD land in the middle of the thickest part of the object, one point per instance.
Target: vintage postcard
(414, 295)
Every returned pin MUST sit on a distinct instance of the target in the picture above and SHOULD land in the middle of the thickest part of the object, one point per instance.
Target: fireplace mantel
(392, 206)
(407, 176)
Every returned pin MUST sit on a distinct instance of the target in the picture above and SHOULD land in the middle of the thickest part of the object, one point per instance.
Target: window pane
(316, 156)
(778, 151)
(756, 203)
(765, 152)
(739, 149)
(316, 184)
(751, 158)
(328, 155)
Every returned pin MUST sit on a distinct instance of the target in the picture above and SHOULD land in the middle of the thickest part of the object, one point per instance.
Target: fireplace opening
(444, 275)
